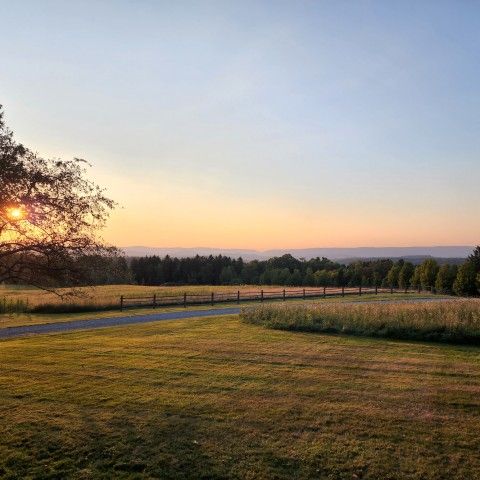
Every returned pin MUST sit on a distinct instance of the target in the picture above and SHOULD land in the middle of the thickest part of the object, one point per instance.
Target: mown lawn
(214, 398)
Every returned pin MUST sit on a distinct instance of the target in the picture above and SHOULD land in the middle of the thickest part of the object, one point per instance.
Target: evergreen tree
(474, 259)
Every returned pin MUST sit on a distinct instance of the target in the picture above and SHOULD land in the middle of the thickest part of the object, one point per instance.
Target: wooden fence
(238, 296)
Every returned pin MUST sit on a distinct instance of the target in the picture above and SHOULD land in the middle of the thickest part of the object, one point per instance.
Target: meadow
(109, 295)
(62, 311)
(22, 299)
(217, 398)
(456, 321)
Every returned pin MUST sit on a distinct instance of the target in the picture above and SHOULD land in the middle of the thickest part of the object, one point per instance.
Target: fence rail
(239, 296)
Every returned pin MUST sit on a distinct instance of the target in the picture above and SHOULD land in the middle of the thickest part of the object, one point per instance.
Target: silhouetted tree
(50, 216)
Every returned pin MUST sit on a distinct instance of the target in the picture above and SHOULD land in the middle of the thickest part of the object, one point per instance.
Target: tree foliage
(50, 216)
(445, 278)
(466, 281)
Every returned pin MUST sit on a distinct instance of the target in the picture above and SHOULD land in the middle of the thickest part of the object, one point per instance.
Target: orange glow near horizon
(179, 214)
(188, 224)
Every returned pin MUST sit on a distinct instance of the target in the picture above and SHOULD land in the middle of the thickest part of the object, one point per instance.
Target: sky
(262, 124)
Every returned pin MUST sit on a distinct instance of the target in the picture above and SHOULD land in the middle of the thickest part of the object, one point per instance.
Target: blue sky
(258, 124)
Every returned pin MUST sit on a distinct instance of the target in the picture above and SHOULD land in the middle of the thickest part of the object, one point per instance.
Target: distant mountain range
(415, 254)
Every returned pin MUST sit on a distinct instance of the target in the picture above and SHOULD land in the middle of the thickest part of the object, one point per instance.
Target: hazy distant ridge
(461, 251)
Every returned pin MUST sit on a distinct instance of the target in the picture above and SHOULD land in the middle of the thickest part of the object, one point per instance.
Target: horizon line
(299, 248)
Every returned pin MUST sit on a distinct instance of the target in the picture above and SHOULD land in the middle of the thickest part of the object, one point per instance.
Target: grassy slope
(14, 320)
(214, 398)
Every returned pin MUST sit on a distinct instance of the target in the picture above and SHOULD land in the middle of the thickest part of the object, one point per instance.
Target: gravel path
(13, 332)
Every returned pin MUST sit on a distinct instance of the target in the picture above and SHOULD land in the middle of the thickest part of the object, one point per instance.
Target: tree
(309, 279)
(405, 275)
(474, 258)
(415, 279)
(227, 276)
(393, 275)
(296, 278)
(445, 278)
(50, 216)
(466, 281)
(428, 272)
(322, 278)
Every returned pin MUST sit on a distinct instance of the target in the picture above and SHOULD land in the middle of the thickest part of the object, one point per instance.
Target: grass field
(216, 398)
(25, 299)
(14, 320)
(110, 294)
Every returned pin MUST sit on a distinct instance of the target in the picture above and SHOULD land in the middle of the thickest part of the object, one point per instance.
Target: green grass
(453, 321)
(15, 320)
(216, 398)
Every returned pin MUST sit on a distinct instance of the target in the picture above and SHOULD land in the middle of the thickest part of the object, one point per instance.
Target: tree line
(317, 272)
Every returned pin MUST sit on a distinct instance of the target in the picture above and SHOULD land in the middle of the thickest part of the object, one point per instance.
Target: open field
(110, 294)
(14, 320)
(20, 299)
(453, 320)
(216, 398)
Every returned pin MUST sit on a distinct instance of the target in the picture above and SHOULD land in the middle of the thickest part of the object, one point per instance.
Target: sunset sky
(258, 124)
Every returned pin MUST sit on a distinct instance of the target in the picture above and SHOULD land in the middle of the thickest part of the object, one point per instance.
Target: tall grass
(452, 321)
(73, 307)
(103, 297)
(8, 305)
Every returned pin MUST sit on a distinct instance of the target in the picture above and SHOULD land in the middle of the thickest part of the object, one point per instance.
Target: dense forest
(290, 271)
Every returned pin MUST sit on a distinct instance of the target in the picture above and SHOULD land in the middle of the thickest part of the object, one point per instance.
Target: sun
(15, 213)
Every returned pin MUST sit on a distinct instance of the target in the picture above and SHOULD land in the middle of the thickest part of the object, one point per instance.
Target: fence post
(343, 290)
(360, 290)
(376, 289)
(185, 300)
(391, 288)
(212, 299)
(121, 303)
(304, 294)
(283, 294)
(261, 295)
(419, 288)
(238, 296)
(154, 300)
